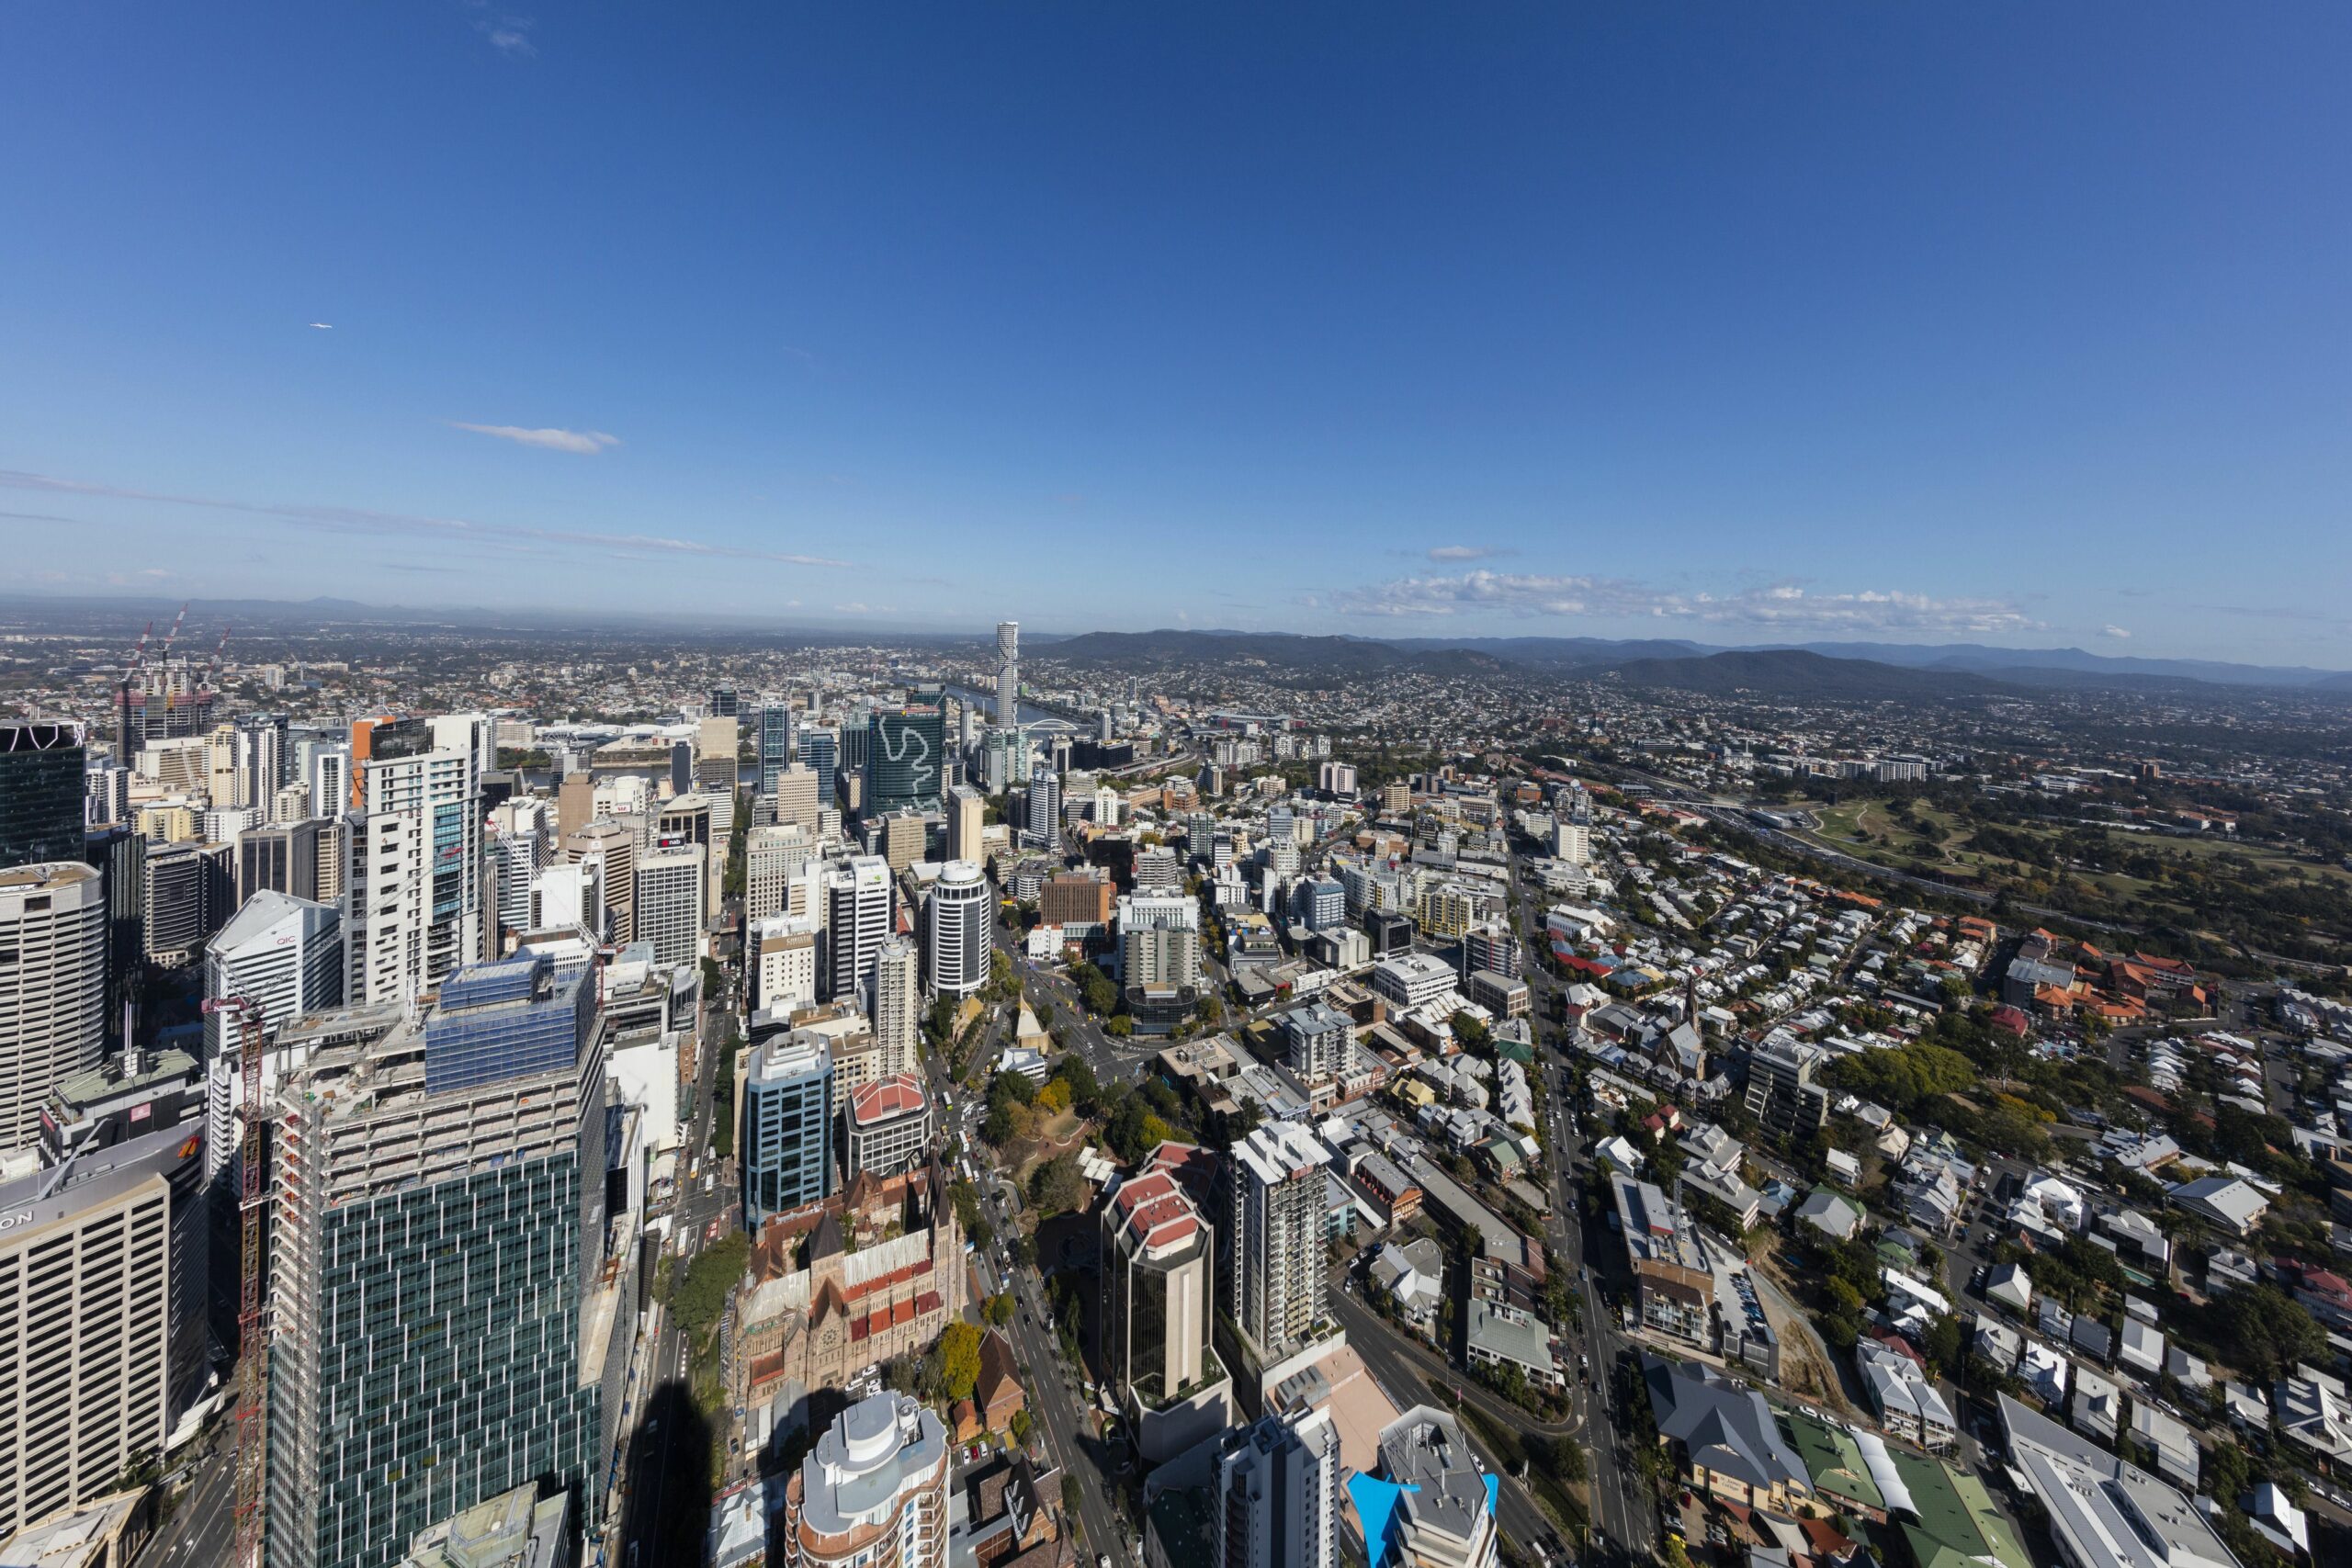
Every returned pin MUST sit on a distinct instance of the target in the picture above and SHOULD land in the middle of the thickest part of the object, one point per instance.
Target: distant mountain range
(1944, 670)
(1334, 658)
(1796, 673)
(2026, 666)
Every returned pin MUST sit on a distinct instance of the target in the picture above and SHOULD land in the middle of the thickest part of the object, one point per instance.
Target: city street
(200, 1529)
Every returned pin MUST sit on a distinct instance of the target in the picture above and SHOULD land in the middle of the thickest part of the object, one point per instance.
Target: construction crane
(253, 1347)
(212, 669)
(164, 653)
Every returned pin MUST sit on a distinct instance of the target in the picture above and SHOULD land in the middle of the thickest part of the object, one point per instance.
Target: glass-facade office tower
(787, 1127)
(774, 742)
(821, 748)
(905, 753)
(41, 793)
(430, 1250)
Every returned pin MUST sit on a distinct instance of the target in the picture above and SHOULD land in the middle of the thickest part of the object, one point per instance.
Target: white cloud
(357, 520)
(1460, 552)
(506, 32)
(855, 607)
(1781, 606)
(322, 326)
(586, 442)
(2119, 633)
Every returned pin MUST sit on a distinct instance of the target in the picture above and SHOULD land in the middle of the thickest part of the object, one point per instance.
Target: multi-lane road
(198, 1534)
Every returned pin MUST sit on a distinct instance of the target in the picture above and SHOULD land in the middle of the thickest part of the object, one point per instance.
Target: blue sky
(2010, 323)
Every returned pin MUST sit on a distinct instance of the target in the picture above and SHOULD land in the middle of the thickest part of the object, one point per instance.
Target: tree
(711, 1281)
(960, 1360)
(1054, 1096)
(1000, 1308)
(1057, 1187)
(1022, 1425)
(1072, 1494)
(2268, 1330)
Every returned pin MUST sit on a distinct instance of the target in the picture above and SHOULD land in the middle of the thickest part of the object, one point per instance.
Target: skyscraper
(961, 909)
(821, 753)
(1158, 1305)
(284, 954)
(906, 751)
(1046, 809)
(100, 1268)
(858, 893)
(52, 986)
(428, 1258)
(669, 904)
(415, 855)
(725, 702)
(1274, 1495)
(261, 760)
(873, 1490)
(773, 739)
(966, 813)
(787, 1127)
(799, 795)
(1008, 674)
(898, 1004)
(772, 858)
(1277, 1212)
(41, 793)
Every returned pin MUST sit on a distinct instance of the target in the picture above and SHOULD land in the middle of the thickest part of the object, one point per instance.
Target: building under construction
(434, 1234)
(167, 699)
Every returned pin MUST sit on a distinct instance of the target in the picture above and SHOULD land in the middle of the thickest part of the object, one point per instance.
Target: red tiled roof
(900, 1094)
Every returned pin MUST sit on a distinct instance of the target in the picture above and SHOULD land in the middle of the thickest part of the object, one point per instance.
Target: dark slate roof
(1721, 1425)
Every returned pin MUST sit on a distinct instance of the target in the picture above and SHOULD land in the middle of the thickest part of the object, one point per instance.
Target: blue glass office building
(510, 1019)
(787, 1127)
(773, 738)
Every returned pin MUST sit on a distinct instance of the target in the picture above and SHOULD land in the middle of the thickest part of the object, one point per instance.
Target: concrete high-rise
(669, 904)
(858, 897)
(53, 933)
(1045, 808)
(91, 1333)
(1276, 1190)
(416, 861)
(799, 795)
(41, 793)
(773, 858)
(284, 954)
(874, 1489)
(788, 1143)
(780, 962)
(957, 929)
(188, 892)
(1274, 1493)
(429, 1256)
(966, 813)
(896, 992)
(612, 849)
